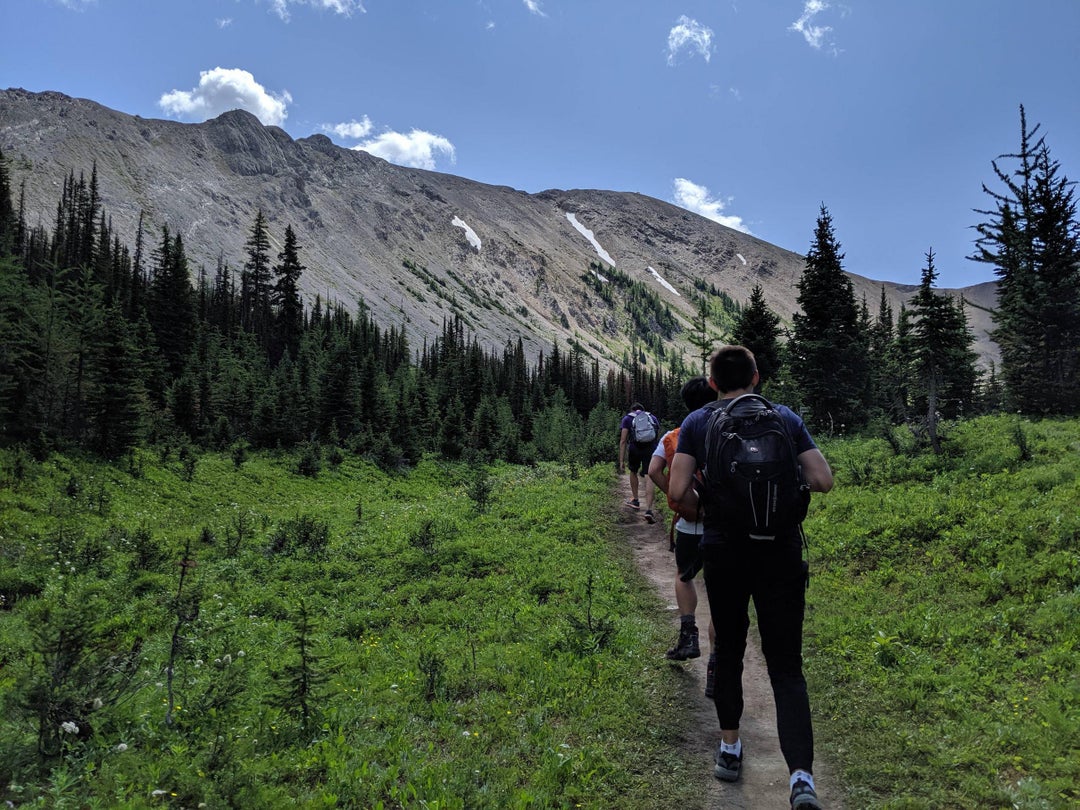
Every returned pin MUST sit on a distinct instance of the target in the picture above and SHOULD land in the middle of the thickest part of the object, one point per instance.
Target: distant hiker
(639, 432)
(741, 563)
(687, 532)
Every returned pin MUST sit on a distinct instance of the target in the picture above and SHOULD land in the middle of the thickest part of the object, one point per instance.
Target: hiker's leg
(634, 465)
(729, 596)
(780, 602)
(650, 490)
(687, 564)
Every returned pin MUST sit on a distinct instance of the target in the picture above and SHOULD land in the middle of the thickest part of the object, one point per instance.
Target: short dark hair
(637, 406)
(697, 393)
(733, 368)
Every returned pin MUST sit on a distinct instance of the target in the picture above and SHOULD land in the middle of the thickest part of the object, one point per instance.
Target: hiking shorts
(687, 555)
(638, 458)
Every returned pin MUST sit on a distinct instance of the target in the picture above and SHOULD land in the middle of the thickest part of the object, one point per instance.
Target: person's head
(696, 393)
(733, 368)
(637, 406)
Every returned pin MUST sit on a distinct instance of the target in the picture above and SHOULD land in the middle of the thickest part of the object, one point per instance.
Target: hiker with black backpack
(639, 432)
(758, 465)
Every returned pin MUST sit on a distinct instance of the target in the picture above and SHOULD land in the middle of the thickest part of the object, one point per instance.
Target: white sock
(804, 776)
(732, 748)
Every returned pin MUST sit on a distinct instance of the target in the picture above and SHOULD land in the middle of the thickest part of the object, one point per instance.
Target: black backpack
(754, 485)
(643, 428)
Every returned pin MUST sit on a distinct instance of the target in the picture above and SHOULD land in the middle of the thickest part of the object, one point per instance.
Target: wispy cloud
(77, 5)
(692, 197)
(534, 7)
(417, 148)
(223, 22)
(344, 7)
(815, 35)
(691, 34)
(352, 129)
(224, 89)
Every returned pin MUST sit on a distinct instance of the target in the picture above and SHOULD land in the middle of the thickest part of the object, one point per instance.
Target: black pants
(773, 574)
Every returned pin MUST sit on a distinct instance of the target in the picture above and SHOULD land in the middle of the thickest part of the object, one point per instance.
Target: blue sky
(752, 112)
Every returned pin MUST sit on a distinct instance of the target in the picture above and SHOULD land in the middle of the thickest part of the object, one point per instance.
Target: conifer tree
(699, 338)
(8, 218)
(119, 398)
(255, 279)
(1032, 240)
(758, 328)
(941, 353)
(827, 350)
(171, 305)
(288, 308)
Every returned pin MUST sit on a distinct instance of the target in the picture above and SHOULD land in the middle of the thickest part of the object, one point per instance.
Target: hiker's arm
(657, 465)
(680, 481)
(622, 447)
(816, 470)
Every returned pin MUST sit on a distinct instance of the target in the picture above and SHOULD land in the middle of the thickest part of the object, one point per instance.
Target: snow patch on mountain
(663, 281)
(470, 234)
(603, 254)
(741, 259)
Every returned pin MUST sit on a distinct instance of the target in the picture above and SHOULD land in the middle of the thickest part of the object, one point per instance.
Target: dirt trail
(763, 782)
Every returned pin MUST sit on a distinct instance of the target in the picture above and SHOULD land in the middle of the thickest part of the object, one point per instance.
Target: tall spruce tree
(941, 353)
(288, 307)
(828, 350)
(758, 328)
(1031, 238)
(256, 279)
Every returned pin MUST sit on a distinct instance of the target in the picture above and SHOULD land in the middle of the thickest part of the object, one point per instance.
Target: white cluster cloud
(345, 7)
(224, 89)
(813, 34)
(534, 7)
(692, 197)
(417, 149)
(352, 129)
(689, 33)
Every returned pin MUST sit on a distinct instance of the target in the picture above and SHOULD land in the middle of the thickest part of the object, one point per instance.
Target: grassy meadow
(182, 631)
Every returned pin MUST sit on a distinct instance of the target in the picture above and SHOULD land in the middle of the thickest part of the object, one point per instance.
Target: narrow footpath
(763, 783)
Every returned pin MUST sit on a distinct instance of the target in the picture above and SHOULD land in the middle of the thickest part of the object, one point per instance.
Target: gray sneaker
(803, 797)
(728, 766)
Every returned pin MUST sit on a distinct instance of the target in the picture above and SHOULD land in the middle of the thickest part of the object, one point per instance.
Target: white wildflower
(121, 748)
(97, 704)
(69, 728)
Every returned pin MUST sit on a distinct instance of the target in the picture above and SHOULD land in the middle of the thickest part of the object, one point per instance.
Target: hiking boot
(686, 646)
(649, 516)
(803, 797)
(633, 503)
(728, 766)
(710, 677)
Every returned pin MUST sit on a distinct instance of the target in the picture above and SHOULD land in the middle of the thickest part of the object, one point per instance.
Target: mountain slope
(415, 246)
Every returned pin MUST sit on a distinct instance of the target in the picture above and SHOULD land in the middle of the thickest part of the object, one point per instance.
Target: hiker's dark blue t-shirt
(696, 425)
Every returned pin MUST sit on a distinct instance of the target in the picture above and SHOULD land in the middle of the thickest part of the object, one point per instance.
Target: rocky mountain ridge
(415, 246)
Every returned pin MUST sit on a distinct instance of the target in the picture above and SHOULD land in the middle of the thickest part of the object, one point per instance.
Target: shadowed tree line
(106, 347)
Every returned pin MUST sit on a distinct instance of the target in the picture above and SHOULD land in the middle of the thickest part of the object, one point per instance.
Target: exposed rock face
(375, 231)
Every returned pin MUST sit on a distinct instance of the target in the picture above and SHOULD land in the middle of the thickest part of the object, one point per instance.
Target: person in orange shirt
(686, 539)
